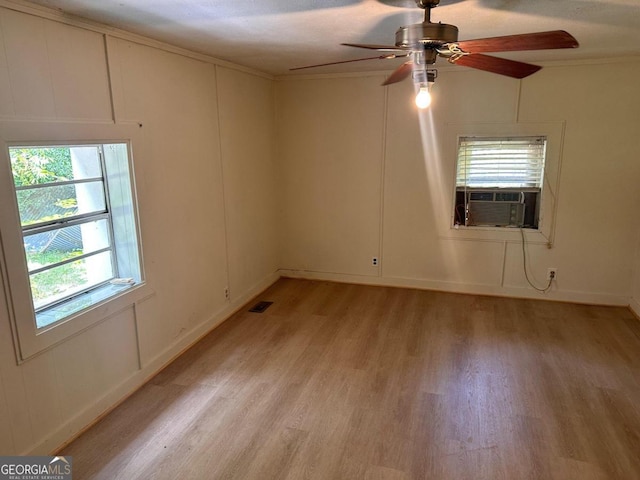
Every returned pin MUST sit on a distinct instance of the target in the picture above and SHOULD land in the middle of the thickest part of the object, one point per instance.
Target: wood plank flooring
(338, 381)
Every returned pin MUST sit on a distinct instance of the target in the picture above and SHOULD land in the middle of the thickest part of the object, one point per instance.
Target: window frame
(530, 195)
(28, 339)
(448, 147)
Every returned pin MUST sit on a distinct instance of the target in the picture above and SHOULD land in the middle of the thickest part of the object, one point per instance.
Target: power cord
(524, 264)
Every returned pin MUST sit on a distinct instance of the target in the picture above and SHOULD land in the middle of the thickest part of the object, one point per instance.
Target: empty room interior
(450, 291)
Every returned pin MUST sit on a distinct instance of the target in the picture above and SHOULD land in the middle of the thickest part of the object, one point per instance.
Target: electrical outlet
(226, 293)
(374, 261)
(552, 273)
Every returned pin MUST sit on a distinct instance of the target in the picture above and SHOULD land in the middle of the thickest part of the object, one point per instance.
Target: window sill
(80, 314)
(494, 234)
(50, 316)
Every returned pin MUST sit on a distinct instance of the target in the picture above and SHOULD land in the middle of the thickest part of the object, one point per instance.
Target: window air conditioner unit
(493, 209)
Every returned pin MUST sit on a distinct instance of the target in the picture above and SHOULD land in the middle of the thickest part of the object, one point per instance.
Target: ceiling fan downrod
(427, 5)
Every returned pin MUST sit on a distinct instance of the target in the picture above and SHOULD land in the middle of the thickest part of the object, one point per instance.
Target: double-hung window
(77, 225)
(499, 181)
(77, 244)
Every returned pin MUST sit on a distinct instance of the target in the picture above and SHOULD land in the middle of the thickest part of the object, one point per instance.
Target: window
(70, 249)
(78, 232)
(499, 181)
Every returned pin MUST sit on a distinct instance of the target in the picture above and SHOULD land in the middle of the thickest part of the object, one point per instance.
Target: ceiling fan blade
(502, 66)
(381, 48)
(399, 74)
(526, 41)
(379, 57)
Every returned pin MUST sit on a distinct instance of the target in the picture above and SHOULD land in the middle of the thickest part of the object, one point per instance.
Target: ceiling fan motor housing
(426, 35)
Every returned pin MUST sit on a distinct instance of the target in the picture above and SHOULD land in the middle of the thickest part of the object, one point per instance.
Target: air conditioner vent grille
(495, 213)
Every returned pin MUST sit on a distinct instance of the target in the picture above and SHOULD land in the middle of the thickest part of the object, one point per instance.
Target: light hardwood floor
(339, 381)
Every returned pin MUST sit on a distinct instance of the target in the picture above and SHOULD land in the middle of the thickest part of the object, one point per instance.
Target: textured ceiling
(275, 35)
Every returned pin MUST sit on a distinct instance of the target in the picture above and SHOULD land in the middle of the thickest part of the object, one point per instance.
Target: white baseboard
(184, 342)
(469, 288)
(634, 306)
(92, 413)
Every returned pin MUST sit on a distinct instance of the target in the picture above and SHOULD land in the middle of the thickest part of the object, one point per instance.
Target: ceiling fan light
(423, 98)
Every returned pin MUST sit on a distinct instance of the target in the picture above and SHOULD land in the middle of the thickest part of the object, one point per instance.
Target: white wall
(206, 184)
(338, 135)
(330, 141)
(247, 111)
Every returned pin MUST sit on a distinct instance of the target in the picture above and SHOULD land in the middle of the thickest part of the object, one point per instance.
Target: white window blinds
(516, 162)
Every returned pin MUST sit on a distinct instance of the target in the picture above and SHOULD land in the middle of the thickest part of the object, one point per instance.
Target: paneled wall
(364, 174)
(205, 183)
(247, 132)
(330, 152)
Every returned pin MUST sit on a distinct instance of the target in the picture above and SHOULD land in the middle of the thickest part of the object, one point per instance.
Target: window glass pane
(54, 246)
(59, 201)
(39, 165)
(64, 280)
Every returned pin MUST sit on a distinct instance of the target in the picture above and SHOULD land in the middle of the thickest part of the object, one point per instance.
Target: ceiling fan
(422, 43)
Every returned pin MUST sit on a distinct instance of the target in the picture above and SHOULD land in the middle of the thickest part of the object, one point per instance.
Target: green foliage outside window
(33, 166)
(37, 166)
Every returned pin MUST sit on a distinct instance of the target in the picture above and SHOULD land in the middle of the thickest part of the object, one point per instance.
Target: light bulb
(423, 98)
